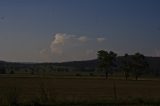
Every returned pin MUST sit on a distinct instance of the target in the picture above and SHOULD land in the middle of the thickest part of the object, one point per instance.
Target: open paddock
(75, 89)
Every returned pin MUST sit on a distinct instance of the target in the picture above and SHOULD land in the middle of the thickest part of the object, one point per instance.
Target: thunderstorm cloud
(64, 47)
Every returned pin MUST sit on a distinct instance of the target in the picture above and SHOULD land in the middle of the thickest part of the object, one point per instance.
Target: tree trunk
(126, 75)
(136, 77)
(106, 75)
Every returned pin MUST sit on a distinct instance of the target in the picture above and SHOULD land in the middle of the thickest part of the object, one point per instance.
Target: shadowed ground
(77, 89)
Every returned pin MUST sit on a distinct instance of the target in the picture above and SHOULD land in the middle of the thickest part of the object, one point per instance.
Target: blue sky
(67, 30)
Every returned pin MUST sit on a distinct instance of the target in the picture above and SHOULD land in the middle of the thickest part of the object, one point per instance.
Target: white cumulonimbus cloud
(67, 47)
(58, 41)
(62, 40)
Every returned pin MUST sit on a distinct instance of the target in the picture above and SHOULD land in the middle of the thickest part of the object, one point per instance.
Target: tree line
(135, 64)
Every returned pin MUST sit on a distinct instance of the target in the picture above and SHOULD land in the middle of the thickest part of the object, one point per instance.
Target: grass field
(51, 90)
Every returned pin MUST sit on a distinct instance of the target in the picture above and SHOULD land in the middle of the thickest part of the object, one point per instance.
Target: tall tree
(106, 61)
(126, 65)
(139, 64)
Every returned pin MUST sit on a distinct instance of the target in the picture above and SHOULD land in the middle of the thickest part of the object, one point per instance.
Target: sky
(71, 30)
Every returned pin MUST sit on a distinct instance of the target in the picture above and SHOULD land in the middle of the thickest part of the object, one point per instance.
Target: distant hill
(79, 64)
(154, 63)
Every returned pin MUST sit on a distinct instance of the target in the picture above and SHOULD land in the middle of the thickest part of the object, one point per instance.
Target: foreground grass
(77, 91)
(136, 102)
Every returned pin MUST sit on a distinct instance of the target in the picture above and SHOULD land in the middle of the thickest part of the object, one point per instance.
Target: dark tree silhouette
(126, 65)
(2, 67)
(2, 70)
(12, 72)
(106, 61)
(139, 64)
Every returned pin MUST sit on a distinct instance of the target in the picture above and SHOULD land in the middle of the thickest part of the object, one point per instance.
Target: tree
(106, 61)
(12, 72)
(2, 68)
(126, 65)
(139, 64)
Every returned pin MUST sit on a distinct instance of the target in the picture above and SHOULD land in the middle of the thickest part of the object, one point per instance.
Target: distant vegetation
(107, 64)
(135, 64)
